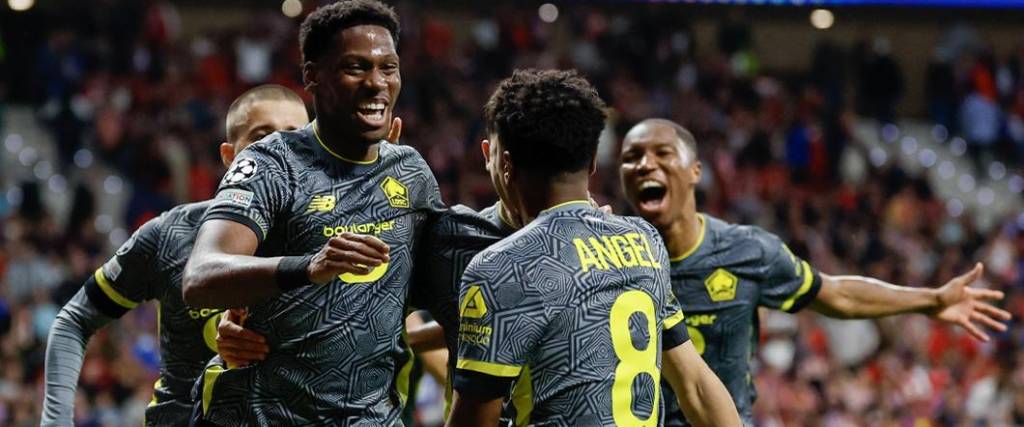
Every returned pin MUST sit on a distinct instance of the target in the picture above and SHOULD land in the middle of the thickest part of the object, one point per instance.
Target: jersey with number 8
(574, 311)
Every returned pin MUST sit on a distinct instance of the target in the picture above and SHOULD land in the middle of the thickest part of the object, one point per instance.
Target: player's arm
(427, 342)
(471, 410)
(77, 321)
(223, 273)
(115, 288)
(496, 340)
(848, 297)
(702, 396)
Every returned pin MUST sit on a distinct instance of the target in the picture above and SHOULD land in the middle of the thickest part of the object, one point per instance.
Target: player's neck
(343, 146)
(538, 195)
(684, 235)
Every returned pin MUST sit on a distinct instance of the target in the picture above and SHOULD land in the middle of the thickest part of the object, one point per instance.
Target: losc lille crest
(396, 192)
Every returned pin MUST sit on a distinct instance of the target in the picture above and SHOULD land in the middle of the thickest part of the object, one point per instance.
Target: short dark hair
(320, 27)
(684, 135)
(267, 92)
(550, 121)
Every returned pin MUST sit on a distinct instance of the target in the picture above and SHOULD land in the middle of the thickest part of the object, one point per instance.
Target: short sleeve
(254, 190)
(497, 331)
(788, 283)
(128, 278)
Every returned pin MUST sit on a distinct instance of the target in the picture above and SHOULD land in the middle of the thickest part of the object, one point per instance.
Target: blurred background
(882, 140)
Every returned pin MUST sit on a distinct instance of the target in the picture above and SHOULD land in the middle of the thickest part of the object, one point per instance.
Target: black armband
(291, 272)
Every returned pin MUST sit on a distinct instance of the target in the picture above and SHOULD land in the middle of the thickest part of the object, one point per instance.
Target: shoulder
(743, 236)
(400, 153)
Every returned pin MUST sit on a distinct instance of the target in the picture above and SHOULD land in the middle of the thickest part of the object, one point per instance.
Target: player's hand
(602, 208)
(347, 253)
(395, 132)
(236, 345)
(965, 306)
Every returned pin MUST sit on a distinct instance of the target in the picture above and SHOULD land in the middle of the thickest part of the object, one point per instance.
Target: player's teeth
(650, 184)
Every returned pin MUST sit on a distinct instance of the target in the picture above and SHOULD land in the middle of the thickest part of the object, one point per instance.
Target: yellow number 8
(633, 362)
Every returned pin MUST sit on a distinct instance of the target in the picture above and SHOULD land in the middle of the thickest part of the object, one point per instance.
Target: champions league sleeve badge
(240, 172)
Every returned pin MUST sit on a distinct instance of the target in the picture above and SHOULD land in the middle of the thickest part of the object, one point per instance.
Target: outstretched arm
(852, 297)
(77, 321)
(702, 396)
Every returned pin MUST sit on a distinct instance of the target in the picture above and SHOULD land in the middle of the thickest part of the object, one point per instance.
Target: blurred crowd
(122, 86)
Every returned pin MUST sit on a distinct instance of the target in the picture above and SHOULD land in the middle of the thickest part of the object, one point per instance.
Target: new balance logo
(321, 204)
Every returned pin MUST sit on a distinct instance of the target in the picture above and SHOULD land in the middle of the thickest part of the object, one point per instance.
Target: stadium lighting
(878, 157)
(58, 184)
(996, 170)
(43, 170)
(927, 157)
(83, 158)
(104, 223)
(954, 208)
(291, 8)
(958, 146)
(890, 133)
(21, 5)
(940, 133)
(1016, 184)
(548, 12)
(986, 196)
(14, 142)
(946, 169)
(822, 19)
(966, 183)
(113, 184)
(909, 145)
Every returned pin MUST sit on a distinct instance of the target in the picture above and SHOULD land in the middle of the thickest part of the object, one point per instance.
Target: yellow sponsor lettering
(366, 228)
(701, 319)
(586, 256)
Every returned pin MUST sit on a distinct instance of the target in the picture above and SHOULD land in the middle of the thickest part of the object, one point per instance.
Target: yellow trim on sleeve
(522, 398)
(700, 240)
(209, 379)
(112, 293)
(804, 287)
(494, 369)
(159, 383)
(571, 202)
(316, 133)
(674, 320)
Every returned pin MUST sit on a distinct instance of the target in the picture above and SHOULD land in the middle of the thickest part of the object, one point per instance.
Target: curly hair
(319, 28)
(548, 120)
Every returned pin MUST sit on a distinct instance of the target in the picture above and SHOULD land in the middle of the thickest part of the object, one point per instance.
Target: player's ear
(227, 153)
(507, 170)
(309, 78)
(485, 147)
(697, 170)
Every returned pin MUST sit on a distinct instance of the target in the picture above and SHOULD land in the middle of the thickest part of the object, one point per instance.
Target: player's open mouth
(651, 195)
(372, 113)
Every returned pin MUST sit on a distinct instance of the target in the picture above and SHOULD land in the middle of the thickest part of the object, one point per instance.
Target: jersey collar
(572, 205)
(697, 244)
(320, 141)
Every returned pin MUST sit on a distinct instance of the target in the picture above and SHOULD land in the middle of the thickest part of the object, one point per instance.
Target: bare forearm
(703, 398)
(426, 337)
(857, 297)
(219, 280)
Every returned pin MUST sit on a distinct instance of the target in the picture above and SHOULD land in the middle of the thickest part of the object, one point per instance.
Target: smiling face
(659, 173)
(356, 84)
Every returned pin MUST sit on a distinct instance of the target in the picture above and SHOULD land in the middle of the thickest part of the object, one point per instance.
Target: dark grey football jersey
(733, 270)
(575, 308)
(148, 267)
(335, 348)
